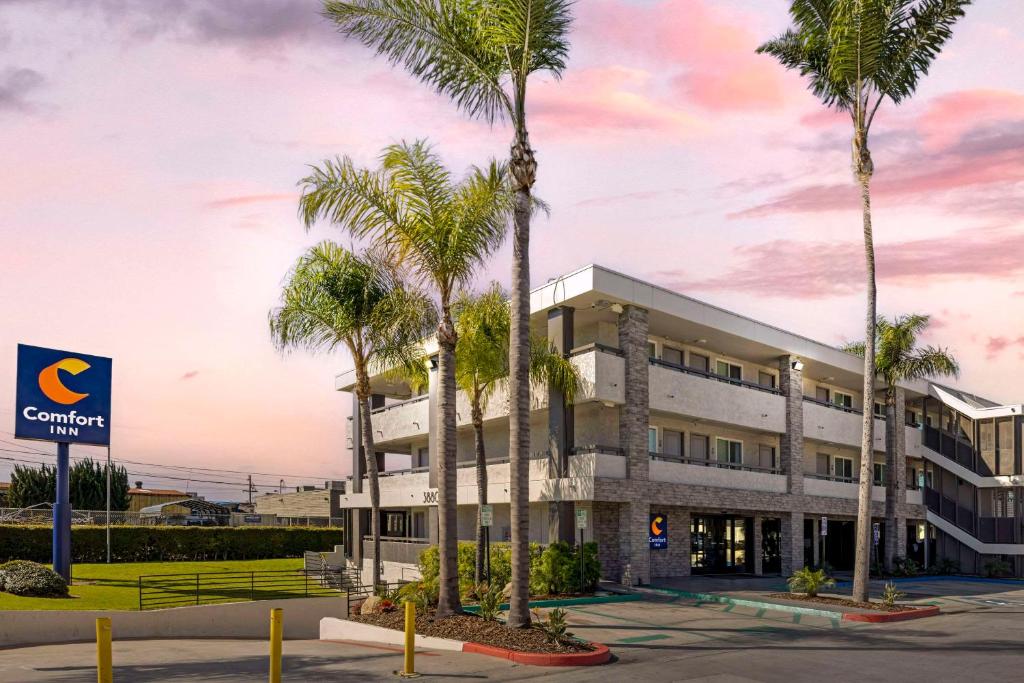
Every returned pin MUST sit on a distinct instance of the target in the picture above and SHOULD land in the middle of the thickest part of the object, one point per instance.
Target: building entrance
(720, 544)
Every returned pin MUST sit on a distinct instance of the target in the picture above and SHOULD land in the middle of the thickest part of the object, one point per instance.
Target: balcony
(839, 487)
(402, 420)
(679, 470)
(837, 424)
(944, 443)
(685, 391)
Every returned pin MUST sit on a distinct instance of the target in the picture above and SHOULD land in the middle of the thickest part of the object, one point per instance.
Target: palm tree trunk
(891, 493)
(448, 601)
(519, 412)
(481, 485)
(867, 447)
(366, 427)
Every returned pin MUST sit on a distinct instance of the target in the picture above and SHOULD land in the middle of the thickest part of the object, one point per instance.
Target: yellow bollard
(276, 633)
(409, 668)
(104, 660)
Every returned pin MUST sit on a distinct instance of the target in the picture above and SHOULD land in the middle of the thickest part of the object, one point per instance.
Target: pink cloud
(949, 116)
(191, 374)
(996, 345)
(814, 270)
(244, 200)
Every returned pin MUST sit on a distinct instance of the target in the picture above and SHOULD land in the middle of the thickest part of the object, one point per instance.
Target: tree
(482, 322)
(898, 359)
(443, 231)
(87, 486)
(857, 53)
(481, 54)
(334, 297)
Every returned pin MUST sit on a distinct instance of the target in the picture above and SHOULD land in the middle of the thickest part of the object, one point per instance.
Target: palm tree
(334, 297)
(897, 359)
(481, 366)
(481, 53)
(443, 231)
(857, 53)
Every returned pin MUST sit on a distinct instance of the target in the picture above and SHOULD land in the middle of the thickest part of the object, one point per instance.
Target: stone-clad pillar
(561, 513)
(792, 543)
(758, 548)
(634, 415)
(358, 459)
(791, 443)
(634, 542)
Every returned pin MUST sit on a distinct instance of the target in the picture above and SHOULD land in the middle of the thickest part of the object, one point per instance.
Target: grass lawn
(116, 586)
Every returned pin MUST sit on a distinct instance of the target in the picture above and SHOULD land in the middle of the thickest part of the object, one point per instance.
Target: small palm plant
(555, 628)
(891, 594)
(490, 601)
(810, 581)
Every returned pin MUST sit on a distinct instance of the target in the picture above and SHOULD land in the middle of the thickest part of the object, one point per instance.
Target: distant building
(309, 502)
(5, 487)
(139, 497)
(186, 512)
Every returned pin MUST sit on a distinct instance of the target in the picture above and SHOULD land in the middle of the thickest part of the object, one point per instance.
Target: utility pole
(250, 489)
(280, 486)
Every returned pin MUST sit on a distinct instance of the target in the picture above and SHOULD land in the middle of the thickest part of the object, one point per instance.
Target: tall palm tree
(334, 297)
(857, 53)
(898, 359)
(481, 366)
(481, 53)
(443, 231)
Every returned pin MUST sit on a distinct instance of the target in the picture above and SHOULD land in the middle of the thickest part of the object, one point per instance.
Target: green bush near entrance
(21, 577)
(167, 543)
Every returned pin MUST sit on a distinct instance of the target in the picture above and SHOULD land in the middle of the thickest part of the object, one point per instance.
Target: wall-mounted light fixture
(617, 308)
(797, 365)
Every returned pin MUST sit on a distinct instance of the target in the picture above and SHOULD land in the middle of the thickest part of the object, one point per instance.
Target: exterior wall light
(797, 365)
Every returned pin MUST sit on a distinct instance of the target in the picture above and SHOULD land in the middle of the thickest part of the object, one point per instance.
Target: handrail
(595, 346)
(399, 404)
(833, 477)
(829, 404)
(398, 539)
(596, 448)
(668, 457)
(711, 375)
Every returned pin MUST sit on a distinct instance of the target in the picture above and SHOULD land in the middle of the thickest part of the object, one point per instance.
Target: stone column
(358, 464)
(634, 542)
(681, 530)
(634, 415)
(792, 543)
(357, 537)
(792, 442)
(757, 543)
(816, 541)
(560, 428)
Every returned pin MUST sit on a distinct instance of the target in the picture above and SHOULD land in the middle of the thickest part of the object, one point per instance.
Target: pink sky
(151, 150)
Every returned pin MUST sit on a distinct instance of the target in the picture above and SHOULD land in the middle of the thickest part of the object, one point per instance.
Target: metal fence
(127, 518)
(158, 591)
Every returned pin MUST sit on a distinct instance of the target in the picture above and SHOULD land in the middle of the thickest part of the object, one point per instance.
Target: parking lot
(663, 638)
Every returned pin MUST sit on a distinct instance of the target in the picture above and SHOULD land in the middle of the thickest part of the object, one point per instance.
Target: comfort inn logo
(50, 382)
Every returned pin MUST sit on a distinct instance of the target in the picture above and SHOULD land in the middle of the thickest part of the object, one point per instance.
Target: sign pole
(62, 514)
(108, 503)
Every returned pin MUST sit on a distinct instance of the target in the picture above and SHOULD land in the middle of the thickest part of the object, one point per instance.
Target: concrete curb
(888, 617)
(951, 577)
(569, 602)
(343, 629)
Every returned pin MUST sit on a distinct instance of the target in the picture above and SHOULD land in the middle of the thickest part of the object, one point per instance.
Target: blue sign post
(658, 531)
(62, 397)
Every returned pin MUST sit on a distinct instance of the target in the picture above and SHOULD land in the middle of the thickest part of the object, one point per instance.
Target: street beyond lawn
(116, 586)
(661, 639)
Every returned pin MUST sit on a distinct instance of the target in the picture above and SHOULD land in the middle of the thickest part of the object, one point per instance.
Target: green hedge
(167, 543)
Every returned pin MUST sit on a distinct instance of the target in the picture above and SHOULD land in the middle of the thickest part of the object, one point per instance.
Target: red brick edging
(887, 617)
(599, 655)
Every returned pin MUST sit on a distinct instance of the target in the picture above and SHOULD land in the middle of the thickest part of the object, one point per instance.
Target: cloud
(245, 200)
(948, 117)
(815, 270)
(15, 85)
(189, 375)
(996, 345)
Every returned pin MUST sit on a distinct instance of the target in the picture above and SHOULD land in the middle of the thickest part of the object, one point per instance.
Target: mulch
(843, 602)
(476, 629)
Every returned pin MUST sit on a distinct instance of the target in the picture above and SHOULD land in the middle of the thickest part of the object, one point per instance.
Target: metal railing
(832, 477)
(596, 448)
(399, 404)
(158, 591)
(669, 457)
(834, 406)
(714, 376)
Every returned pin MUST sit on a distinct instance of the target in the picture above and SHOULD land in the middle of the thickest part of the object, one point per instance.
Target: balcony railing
(710, 375)
(950, 446)
(832, 477)
(669, 457)
(399, 404)
(949, 509)
(596, 448)
(996, 529)
(829, 404)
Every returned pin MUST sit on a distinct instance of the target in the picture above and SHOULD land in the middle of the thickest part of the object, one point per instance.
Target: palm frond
(897, 357)
(549, 367)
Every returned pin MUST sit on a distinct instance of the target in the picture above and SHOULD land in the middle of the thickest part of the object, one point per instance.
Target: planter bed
(879, 611)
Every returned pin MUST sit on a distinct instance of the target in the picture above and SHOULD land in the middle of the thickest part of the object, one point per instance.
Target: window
(730, 370)
(698, 448)
(729, 452)
(766, 457)
(911, 418)
(843, 468)
(652, 439)
(652, 350)
(394, 524)
(842, 400)
(419, 525)
(821, 465)
(699, 362)
(672, 442)
(879, 410)
(879, 474)
(822, 394)
(670, 355)
(766, 379)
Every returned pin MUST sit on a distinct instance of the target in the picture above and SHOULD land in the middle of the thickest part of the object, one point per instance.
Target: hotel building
(745, 438)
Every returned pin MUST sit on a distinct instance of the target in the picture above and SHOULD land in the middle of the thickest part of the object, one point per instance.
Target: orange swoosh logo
(49, 381)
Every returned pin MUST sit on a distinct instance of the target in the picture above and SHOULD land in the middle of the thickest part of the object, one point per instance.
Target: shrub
(554, 628)
(421, 593)
(21, 577)
(809, 581)
(167, 543)
(945, 566)
(996, 568)
(490, 601)
(905, 566)
(891, 594)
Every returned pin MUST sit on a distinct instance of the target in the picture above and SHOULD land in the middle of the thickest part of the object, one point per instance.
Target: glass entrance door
(718, 544)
